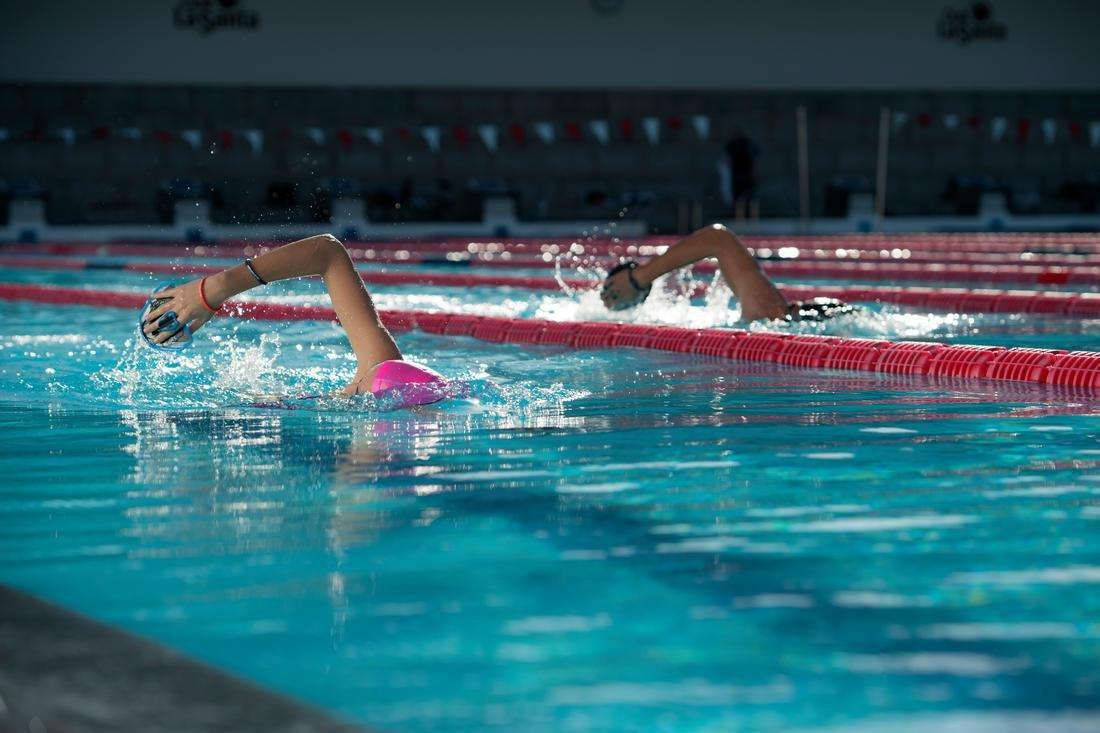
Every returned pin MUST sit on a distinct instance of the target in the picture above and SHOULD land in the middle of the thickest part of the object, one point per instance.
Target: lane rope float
(1067, 304)
(1076, 369)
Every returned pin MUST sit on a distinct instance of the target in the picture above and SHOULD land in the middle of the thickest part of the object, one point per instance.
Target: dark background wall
(97, 101)
(126, 141)
(682, 44)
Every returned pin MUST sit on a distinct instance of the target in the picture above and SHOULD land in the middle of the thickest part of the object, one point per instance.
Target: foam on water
(670, 304)
(242, 365)
(673, 306)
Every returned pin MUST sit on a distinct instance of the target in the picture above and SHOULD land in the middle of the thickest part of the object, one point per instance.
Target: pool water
(592, 540)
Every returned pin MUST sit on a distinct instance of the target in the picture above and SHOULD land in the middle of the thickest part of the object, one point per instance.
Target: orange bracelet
(202, 296)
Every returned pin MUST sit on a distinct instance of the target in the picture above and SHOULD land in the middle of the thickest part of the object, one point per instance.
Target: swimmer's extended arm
(757, 295)
(322, 255)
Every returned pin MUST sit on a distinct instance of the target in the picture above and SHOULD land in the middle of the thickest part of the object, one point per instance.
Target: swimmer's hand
(621, 289)
(186, 305)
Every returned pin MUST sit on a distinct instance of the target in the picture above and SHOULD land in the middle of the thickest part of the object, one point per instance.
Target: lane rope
(1059, 244)
(1077, 369)
(957, 300)
(1021, 274)
(797, 250)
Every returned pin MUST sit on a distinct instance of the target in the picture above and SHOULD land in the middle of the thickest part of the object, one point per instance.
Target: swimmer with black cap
(628, 284)
(382, 371)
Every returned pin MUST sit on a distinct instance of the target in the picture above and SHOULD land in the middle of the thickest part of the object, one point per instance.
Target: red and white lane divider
(371, 277)
(462, 250)
(954, 300)
(543, 252)
(1053, 243)
(1080, 275)
(1079, 369)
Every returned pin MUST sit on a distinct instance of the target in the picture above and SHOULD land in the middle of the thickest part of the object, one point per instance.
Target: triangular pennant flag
(545, 132)
(374, 134)
(255, 140)
(316, 134)
(951, 122)
(1023, 129)
(131, 133)
(67, 134)
(600, 131)
(998, 126)
(192, 138)
(1094, 134)
(461, 135)
(701, 123)
(431, 135)
(1050, 130)
(900, 118)
(489, 137)
(651, 126)
(518, 133)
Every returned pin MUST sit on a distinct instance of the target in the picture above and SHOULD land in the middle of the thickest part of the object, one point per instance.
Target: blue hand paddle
(181, 336)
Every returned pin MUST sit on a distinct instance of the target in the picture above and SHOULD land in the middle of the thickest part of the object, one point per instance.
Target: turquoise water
(594, 540)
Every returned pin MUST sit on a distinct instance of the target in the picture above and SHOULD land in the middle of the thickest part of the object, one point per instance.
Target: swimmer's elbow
(724, 233)
(331, 243)
(328, 248)
(719, 237)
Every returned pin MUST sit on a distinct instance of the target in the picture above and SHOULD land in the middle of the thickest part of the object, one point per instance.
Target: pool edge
(75, 674)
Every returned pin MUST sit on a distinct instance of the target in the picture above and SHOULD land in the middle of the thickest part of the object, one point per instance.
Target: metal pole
(803, 167)
(880, 172)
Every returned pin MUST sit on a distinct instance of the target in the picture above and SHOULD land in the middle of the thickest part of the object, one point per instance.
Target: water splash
(247, 375)
(233, 374)
(671, 303)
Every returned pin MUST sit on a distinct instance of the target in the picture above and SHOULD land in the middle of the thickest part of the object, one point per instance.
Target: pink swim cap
(405, 384)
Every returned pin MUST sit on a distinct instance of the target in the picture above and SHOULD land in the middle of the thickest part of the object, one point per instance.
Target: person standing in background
(741, 154)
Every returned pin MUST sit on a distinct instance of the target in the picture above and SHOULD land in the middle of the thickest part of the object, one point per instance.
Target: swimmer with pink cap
(382, 370)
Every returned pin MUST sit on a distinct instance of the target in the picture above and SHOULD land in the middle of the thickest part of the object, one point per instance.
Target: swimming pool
(596, 540)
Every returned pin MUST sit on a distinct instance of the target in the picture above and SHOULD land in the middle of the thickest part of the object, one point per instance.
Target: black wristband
(640, 293)
(259, 280)
(634, 280)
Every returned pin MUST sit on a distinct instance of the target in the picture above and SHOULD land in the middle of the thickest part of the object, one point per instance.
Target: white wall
(676, 44)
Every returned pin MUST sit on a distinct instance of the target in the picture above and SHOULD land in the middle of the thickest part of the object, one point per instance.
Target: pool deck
(74, 675)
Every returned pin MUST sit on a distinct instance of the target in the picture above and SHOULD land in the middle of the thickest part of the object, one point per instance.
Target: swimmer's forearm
(322, 255)
(757, 294)
(303, 258)
(708, 242)
(228, 283)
